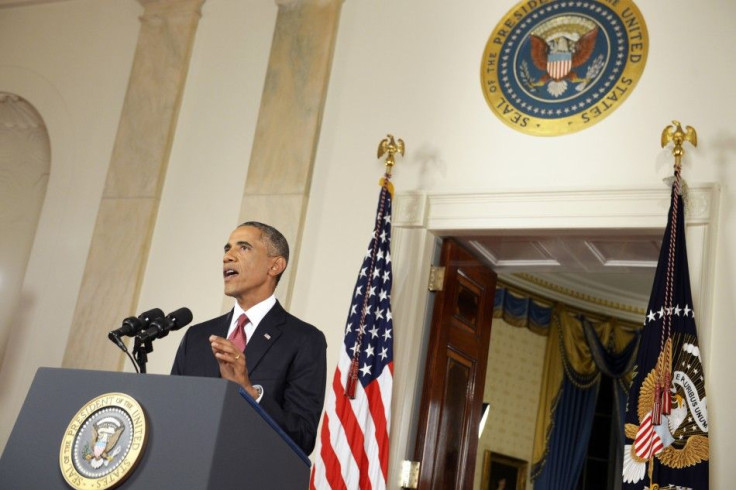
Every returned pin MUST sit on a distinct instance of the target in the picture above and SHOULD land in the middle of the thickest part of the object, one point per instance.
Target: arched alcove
(25, 158)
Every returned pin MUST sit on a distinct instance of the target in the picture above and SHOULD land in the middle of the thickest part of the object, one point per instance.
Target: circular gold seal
(554, 67)
(103, 442)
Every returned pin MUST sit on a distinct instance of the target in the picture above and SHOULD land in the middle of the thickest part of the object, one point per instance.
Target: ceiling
(610, 272)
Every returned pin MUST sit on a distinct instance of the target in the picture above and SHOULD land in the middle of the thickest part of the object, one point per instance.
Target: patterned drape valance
(521, 310)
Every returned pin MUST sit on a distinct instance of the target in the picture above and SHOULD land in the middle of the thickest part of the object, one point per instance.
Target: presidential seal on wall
(554, 67)
(103, 442)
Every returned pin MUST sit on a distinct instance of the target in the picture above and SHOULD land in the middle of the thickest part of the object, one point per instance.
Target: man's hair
(276, 244)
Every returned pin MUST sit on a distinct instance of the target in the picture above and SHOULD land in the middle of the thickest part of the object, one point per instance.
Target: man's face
(248, 271)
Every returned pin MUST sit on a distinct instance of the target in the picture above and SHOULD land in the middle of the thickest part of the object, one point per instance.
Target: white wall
(411, 68)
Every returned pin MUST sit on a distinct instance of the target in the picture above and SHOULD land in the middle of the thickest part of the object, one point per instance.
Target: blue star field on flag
(369, 327)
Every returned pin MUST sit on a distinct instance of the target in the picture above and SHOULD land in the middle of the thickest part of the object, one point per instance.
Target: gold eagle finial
(390, 146)
(676, 135)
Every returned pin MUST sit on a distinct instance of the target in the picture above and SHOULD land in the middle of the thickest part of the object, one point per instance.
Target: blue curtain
(569, 432)
(616, 365)
(568, 441)
(583, 350)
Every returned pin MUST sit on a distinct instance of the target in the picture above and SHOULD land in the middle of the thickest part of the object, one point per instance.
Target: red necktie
(237, 337)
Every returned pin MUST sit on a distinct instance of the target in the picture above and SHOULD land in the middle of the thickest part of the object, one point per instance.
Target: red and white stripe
(647, 442)
(559, 68)
(355, 434)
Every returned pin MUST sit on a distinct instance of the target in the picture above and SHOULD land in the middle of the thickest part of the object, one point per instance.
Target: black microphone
(132, 325)
(160, 327)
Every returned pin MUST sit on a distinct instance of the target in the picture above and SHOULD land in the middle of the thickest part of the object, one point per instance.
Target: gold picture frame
(501, 472)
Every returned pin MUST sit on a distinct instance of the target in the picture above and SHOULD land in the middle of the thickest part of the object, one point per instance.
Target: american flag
(666, 418)
(355, 426)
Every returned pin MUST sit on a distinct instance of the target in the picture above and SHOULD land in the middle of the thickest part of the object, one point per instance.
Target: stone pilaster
(287, 132)
(127, 214)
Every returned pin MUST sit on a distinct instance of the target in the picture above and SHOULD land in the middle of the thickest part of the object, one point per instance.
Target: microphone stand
(141, 351)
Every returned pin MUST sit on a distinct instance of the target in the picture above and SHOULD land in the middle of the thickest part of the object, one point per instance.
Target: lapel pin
(268, 336)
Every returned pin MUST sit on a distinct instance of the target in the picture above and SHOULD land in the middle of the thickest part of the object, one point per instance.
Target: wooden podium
(201, 433)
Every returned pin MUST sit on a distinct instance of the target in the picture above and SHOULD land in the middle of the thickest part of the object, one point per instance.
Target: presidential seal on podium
(103, 442)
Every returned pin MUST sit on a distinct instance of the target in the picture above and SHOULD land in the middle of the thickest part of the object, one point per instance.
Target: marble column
(127, 213)
(287, 132)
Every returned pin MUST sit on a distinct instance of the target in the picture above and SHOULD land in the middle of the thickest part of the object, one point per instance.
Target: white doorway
(421, 219)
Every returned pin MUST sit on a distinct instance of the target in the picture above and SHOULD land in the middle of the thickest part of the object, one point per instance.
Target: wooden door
(455, 371)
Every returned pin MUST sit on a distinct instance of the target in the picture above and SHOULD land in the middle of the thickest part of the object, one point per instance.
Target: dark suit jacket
(286, 356)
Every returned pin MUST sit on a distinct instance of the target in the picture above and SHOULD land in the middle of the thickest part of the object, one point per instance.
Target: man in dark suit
(284, 365)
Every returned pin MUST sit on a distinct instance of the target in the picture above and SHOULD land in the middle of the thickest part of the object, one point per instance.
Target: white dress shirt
(255, 314)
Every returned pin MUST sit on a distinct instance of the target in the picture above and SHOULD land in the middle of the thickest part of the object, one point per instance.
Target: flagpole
(662, 403)
(388, 146)
(675, 134)
(354, 450)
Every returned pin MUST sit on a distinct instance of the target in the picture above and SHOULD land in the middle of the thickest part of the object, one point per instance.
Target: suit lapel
(222, 327)
(267, 333)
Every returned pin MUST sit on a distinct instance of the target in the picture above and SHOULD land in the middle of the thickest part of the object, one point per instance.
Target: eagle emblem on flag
(681, 439)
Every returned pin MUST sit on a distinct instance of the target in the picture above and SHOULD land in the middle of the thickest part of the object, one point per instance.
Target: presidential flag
(355, 426)
(666, 418)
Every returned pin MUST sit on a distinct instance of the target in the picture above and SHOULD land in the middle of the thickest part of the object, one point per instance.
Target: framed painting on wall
(501, 472)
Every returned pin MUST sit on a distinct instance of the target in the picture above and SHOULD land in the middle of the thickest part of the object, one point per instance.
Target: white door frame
(420, 219)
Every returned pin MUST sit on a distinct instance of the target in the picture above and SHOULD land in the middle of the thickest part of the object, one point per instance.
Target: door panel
(457, 353)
